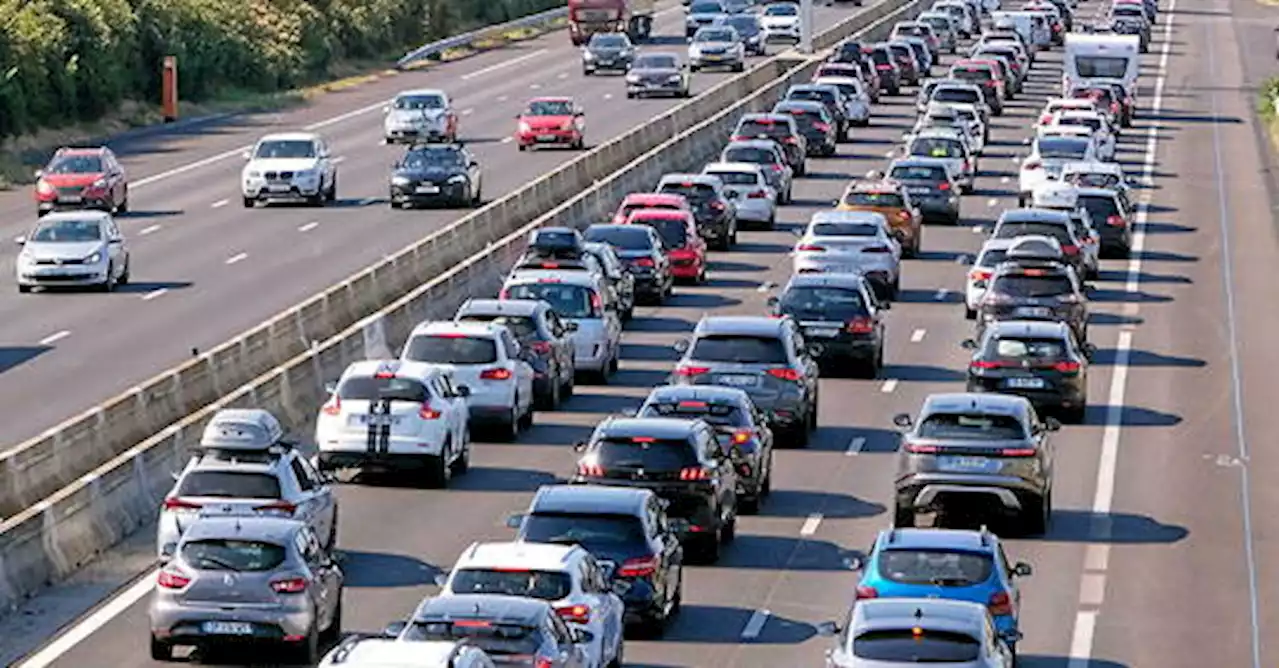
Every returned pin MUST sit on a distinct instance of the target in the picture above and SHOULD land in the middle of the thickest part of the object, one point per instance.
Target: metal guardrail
(440, 46)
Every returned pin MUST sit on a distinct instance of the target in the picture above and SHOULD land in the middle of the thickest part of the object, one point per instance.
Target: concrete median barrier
(132, 445)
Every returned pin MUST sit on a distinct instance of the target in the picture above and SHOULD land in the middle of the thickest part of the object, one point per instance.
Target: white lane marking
(563, 75)
(91, 624)
(342, 117)
(1096, 557)
(535, 86)
(506, 63)
(506, 140)
(889, 154)
(308, 227)
(1093, 588)
(189, 166)
(503, 98)
(55, 337)
(940, 295)
(755, 625)
(149, 229)
(1082, 638)
(338, 159)
(17, 239)
(976, 229)
(992, 202)
(468, 111)
(608, 96)
(219, 204)
(889, 386)
(236, 258)
(764, 287)
(154, 293)
(1005, 179)
(855, 446)
(368, 200)
(810, 525)
(917, 336)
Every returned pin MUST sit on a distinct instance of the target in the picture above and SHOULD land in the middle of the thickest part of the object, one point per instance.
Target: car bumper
(1115, 237)
(448, 192)
(858, 112)
(934, 207)
(929, 491)
(1061, 395)
(781, 34)
(755, 211)
(640, 602)
(65, 275)
(648, 285)
(409, 135)
(606, 66)
(705, 62)
(381, 461)
(845, 346)
(282, 191)
(489, 413)
(103, 201)
(592, 357)
(183, 624)
(548, 137)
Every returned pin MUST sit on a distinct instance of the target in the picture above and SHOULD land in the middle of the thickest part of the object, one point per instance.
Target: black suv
(546, 341)
(815, 122)
(783, 129)
(436, 173)
(840, 317)
(628, 533)
(641, 251)
(680, 460)
(1035, 290)
(1037, 360)
(886, 64)
(714, 213)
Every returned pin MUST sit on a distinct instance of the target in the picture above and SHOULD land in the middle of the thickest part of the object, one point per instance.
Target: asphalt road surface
(1162, 548)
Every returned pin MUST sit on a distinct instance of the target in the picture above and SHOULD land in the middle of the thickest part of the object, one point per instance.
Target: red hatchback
(82, 178)
(680, 238)
(638, 201)
(550, 121)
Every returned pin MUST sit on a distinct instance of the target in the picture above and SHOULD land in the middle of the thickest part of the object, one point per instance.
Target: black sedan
(436, 174)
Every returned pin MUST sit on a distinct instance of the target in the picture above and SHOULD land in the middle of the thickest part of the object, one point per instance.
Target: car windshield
(969, 427)
(451, 349)
(545, 585)
(715, 35)
(739, 349)
(75, 164)
(588, 530)
(934, 147)
(919, 173)
(1022, 285)
(674, 233)
(692, 191)
(230, 485)
(656, 62)
(68, 231)
(286, 148)
(706, 8)
(522, 327)
(619, 236)
(1025, 347)
(549, 108)
(365, 388)
(720, 415)
(731, 178)
(232, 555)
(1025, 229)
(937, 567)
(491, 637)
(1099, 207)
(419, 102)
(909, 30)
(936, 22)
(992, 257)
(608, 40)
(834, 303)
(657, 454)
(432, 157)
(972, 73)
(844, 229)
(758, 156)
(904, 646)
(956, 95)
(782, 9)
(874, 199)
(568, 301)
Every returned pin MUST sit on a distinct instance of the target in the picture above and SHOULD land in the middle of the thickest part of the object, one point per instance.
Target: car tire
(709, 552)
(970, 314)
(1075, 414)
(550, 400)
(526, 420)
(108, 285)
(438, 470)
(124, 275)
(509, 430)
(331, 195)
(903, 518)
(23, 289)
(249, 202)
(772, 223)
(728, 530)
(1035, 519)
(333, 632)
(161, 650)
(123, 206)
(630, 95)
(567, 387)
(749, 505)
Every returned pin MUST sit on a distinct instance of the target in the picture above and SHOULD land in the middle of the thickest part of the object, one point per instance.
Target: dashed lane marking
(755, 625)
(154, 293)
(148, 230)
(917, 336)
(55, 337)
(237, 258)
(308, 227)
(810, 525)
(889, 386)
(855, 446)
(219, 204)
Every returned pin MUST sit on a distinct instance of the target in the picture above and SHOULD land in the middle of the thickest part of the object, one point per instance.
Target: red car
(637, 201)
(554, 121)
(680, 238)
(82, 178)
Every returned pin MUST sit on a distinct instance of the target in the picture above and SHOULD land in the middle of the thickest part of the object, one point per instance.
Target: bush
(73, 60)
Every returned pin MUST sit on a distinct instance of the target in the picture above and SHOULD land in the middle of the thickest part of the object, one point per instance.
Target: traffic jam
(248, 537)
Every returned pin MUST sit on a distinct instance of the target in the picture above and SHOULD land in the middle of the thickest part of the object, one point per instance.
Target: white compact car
(857, 242)
(746, 184)
(290, 166)
(398, 416)
(1047, 157)
(566, 576)
(420, 115)
(73, 248)
(781, 22)
(585, 299)
(486, 358)
(857, 102)
(1058, 196)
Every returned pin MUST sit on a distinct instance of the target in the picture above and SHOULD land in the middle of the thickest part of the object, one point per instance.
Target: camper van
(1098, 56)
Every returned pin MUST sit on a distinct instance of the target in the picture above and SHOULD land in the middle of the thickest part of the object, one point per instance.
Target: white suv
(566, 576)
(486, 358)
(388, 414)
(290, 166)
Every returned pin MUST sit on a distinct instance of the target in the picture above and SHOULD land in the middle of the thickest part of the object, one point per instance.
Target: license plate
(968, 464)
(374, 420)
(923, 190)
(1032, 311)
(712, 56)
(739, 380)
(228, 628)
(70, 199)
(825, 332)
(1024, 383)
(547, 137)
(429, 190)
(279, 188)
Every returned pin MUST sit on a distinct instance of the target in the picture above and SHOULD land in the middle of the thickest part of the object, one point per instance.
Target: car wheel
(160, 650)
(970, 314)
(308, 651)
(23, 289)
(249, 202)
(109, 284)
(463, 462)
(334, 630)
(710, 548)
(1075, 414)
(526, 420)
(903, 517)
(124, 276)
(749, 505)
(567, 388)
(729, 530)
(438, 471)
(509, 430)
(123, 206)
(1035, 519)
(550, 400)
(331, 195)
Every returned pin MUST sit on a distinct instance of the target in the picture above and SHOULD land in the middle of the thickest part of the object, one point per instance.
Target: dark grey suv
(991, 451)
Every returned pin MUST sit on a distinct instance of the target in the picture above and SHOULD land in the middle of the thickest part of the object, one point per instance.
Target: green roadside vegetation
(78, 70)
(1267, 108)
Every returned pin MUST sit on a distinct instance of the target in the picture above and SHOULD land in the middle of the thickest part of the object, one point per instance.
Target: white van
(1099, 56)
(1031, 26)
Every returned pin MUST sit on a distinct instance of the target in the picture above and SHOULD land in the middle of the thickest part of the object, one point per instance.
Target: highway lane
(205, 269)
(830, 499)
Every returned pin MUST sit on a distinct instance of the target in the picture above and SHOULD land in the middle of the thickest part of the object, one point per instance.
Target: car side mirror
(394, 629)
(902, 420)
(514, 520)
(731, 194)
(580, 446)
(969, 344)
(1052, 424)
(21, 241)
(629, 412)
(116, 240)
(815, 349)
(441, 579)
(1026, 141)
(828, 629)
(464, 391)
(681, 345)
(331, 386)
(1011, 636)
(1022, 569)
(386, 108)
(772, 302)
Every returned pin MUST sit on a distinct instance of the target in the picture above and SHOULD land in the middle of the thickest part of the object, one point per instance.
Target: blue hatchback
(949, 564)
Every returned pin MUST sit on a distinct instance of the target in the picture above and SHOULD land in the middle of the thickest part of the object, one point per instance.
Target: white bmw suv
(291, 166)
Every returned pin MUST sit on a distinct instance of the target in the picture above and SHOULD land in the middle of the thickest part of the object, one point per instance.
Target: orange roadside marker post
(169, 89)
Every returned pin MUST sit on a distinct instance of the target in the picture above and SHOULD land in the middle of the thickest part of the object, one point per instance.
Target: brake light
(384, 375)
(694, 473)
(785, 373)
(1018, 452)
(1067, 366)
(822, 127)
(717, 205)
(884, 67)
(333, 406)
(877, 249)
(281, 506)
(289, 586)
(810, 248)
(741, 436)
(991, 83)
(1000, 604)
(540, 347)
(758, 194)
(168, 579)
(643, 262)
(1070, 249)
(1034, 272)
(790, 140)
(543, 662)
(860, 325)
(427, 412)
(1057, 27)
(944, 186)
(175, 503)
(692, 370)
(473, 624)
(550, 265)
(917, 449)
(639, 567)
(1115, 221)
(596, 302)
(496, 373)
(987, 364)
(904, 215)
(590, 470)
(776, 167)
(864, 592)
(505, 293)
(979, 275)
(578, 614)
(1034, 164)
(691, 404)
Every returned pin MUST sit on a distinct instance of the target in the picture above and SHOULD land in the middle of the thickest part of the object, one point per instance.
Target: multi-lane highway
(1162, 549)
(205, 269)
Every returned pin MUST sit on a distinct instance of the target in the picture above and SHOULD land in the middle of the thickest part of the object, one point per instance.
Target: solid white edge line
(154, 293)
(91, 624)
(810, 525)
(504, 64)
(755, 625)
(55, 337)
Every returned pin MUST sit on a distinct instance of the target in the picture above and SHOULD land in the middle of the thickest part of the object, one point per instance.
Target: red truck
(588, 17)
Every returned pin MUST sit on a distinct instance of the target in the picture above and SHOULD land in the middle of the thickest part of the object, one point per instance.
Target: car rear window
(805, 118)
(740, 349)
(844, 229)
(522, 327)
(1099, 207)
(232, 555)
(1022, 229)
(936, 567)
(834, 303)
(1021, 285)
(971, 427)
(619, 236)
(973, 73)
(764, 127)
(812, 95)
(719, 415)
(1061, 147)
(654, 455)
(230, 485)
(736, 178)
(903, 646)
(874, 199)
(568, 301)
(1021, 348)
(1094, 124)
(991, 257)
(440, 349)
(674, 233)
(956, 95)
(496, 639)
(588, 530)
(545, 585)
(364, 388)
(1092, 179)
(694, 192)
(880, 57)
(934, 147)
(758, 156)
(918, 173)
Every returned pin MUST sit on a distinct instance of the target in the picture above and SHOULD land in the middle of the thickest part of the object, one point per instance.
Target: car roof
(839, 216)
(935, 132)
(1036, 328)
(712, 393)
(985, 402)
(655, 198)
(660, 214)
(919, 161)
(398, 368)
(518, 554)
(264, 528)
(372, 652)
(673, 177)
(826, 279)
(1034, 215)
(752, 143)
(1093, 167)
(584, 279)
(806, 105)
(1096, 192)
(932, 538)
(290, 136)
(478, 329)
(657, 427)
(78, 214)
(733, 166)
(885, 185)
(747, 325)
(589, 499)
(996, 244)
(81, 150)
(551, 98)
(497, 608)
(667, 54)
(520, 307)
(422, 91)
(242, 429)
(928, 613)
(764, 115)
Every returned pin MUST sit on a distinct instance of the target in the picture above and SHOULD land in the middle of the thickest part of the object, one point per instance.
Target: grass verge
(1267, 108)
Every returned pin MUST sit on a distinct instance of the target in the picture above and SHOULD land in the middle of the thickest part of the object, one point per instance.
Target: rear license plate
(547, 137)
(739, 380)
(70, 199)
(228, 628)
(825, 332)
(968, 464)
(1024, 383)
(923, 190)
(1032, 311)
(361, 420)
(428, 190)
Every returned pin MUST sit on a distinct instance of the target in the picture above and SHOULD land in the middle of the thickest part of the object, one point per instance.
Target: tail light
(860, 326)
(170, 579)
(884, 67)
(44, 188)
(810, 248)
(986, 364)
(505, 293)
(289, 586)
(540, 347)
(596, 302)
(333, 406)
(277, 506)
(496, 373)
(917, 449)
(877, 249)
(821, 127)
(542, 661)
(694, 473)
(638, 567)
(643, 262)
(1070, 249)
(175, 503)
(717, 205)
(1045, 119)
(427, 412)
(1115, 221)
(1018, 452)
(944, 186)
(1000, 604)
(590, 470)
(1057, 27)
(979, 275)
(741, 436)
(785, 373)
(776, 167)
(578, 614)
(991, 83)
(1034, 164)
(790, 140)
(1067, 367)
(904, 215)
(691, 370)
(863, 592)
(758, 194)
